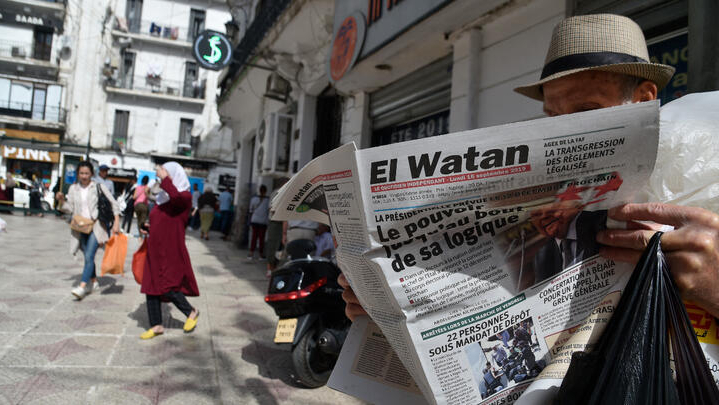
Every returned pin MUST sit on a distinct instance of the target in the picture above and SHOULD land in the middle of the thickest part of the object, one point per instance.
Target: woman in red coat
(168, 273)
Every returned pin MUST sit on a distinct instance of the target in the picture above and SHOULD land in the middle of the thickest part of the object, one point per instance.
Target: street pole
(87, 150)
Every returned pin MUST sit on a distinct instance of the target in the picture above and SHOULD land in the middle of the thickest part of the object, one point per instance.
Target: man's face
(552, 220)
(103, 173)
(583, 91)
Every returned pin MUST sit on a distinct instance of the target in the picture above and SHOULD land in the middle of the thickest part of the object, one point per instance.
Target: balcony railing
(158, 85)
(155, 29)
(40, 112)
(23, 50)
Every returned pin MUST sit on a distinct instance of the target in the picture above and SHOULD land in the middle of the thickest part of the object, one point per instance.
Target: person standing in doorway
(225, 212)
(259, 216)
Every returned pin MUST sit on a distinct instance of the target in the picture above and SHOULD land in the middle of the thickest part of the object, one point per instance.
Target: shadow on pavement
(140, 315)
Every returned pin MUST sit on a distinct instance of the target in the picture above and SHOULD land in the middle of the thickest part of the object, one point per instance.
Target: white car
(21, 195)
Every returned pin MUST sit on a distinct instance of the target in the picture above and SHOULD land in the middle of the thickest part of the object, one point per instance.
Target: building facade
(276, 98)
(399, 70)
(113, 81)
(33, 115)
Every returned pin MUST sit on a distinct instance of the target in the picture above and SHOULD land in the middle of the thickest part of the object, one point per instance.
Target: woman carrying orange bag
(168, 275)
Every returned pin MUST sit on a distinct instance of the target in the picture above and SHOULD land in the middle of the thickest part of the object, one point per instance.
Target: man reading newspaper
(600, 61)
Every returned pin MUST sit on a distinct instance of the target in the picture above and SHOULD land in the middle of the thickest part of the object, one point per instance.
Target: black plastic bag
(630, 363)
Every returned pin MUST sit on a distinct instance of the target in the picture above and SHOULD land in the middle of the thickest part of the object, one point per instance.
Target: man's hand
(692, 249)
(116, 226)
(353, 309)
(60, 196)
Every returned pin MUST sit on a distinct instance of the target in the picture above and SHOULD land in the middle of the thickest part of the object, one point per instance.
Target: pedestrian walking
(140, 206)
(129, 205)
(206, 204)
(82, 202)
(259, 217)
(168, 272)
(225, 212)
(195, 215)
(103, 171)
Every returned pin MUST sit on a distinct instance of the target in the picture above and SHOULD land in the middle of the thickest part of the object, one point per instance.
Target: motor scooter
(306, 297)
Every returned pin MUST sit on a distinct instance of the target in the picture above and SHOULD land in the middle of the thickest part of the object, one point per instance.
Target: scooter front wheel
(312, 366)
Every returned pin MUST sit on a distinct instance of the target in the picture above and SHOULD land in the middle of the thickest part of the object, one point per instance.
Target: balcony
(35, 115)
(25, 59)
(156, 87)
(153, 32)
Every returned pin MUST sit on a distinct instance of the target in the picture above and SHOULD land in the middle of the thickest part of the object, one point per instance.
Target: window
(184, 142)
(119, 131)
(42, 48)
(127, 70)
(133, 14)
(197, 23)
(38, 103)
(53, 112)
(4, 93)
(31, 100)
(191, 88)
(21, 97)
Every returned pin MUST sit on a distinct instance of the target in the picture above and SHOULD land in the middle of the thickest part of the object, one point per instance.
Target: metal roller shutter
(421, 93)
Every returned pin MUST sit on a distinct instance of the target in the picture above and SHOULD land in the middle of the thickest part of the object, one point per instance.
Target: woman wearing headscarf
(168, 272)
(206, 204)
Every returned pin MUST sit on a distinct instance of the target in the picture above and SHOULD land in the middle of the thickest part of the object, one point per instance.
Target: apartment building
(160, 104)
(32, 91)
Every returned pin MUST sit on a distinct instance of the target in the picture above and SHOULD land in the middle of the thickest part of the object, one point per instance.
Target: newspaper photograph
(477, 260)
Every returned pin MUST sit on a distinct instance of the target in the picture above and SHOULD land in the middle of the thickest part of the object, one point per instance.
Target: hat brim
(656, 72)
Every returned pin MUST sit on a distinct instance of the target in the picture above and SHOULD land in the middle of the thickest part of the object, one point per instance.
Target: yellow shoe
(149, 334)
(190, 323)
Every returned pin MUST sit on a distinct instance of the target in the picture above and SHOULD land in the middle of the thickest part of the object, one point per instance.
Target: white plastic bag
(687, 168)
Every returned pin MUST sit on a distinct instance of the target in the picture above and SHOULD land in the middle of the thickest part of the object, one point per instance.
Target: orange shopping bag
(138, 262)
(113, 261)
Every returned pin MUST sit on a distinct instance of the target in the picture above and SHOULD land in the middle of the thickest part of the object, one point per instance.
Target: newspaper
(475, 253)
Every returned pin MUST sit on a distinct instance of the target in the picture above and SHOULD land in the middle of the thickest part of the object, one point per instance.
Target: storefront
(28, 153)
(414, 107)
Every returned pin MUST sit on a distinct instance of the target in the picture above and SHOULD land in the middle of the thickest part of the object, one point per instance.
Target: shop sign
(431, 125)
(19, 18)
(386, 19)
(673, 51)
(119, 172)
(346, 46)
(212, 50)
(12, 152)
(227, 180)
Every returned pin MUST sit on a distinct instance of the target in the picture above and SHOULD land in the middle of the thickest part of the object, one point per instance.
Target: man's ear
(645, 91)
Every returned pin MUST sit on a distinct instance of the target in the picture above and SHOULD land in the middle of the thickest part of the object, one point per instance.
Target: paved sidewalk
(55, 350)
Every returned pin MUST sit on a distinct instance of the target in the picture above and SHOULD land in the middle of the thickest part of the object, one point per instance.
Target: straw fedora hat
(603, 42)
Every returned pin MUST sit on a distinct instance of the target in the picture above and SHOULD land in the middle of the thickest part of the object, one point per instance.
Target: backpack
(104, 210)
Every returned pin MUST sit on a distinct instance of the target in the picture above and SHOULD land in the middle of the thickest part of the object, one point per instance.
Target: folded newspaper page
(475, 253)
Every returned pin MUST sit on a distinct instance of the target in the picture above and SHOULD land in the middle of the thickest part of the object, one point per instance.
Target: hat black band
(585, 60)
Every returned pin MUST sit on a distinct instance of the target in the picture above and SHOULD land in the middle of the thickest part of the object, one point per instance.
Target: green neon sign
(212, 50)
(216, 52)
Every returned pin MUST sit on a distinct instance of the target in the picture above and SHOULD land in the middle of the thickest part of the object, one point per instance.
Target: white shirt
(260, 209)
(324, 242)
(84, 205)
